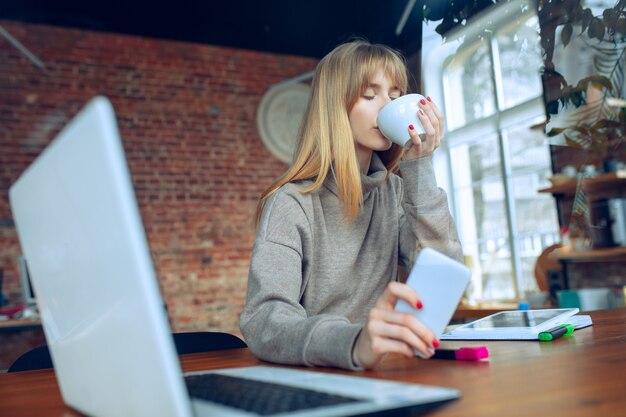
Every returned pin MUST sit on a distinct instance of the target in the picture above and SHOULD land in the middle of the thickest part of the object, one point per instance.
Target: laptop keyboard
(263, 398)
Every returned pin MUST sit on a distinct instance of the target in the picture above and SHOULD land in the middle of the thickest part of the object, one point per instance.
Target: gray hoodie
(314, 276)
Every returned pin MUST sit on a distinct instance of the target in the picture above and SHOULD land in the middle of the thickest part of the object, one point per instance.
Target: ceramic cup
(395, 117)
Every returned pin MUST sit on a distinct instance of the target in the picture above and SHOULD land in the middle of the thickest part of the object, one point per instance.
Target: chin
(384, 145)
(379, 143)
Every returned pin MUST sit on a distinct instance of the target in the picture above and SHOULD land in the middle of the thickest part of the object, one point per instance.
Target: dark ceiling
(308, 28)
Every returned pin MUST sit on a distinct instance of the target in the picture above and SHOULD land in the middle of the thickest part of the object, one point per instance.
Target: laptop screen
(80, 230)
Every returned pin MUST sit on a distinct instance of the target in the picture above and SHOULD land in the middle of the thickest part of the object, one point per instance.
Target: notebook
(517, 324)
(103, 316)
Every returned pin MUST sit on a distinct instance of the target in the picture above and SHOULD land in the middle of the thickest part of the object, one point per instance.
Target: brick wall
(187, 114)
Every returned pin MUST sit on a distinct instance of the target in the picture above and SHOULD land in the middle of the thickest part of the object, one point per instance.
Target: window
(489, 84)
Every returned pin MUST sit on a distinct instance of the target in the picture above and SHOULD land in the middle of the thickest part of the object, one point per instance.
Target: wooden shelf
(593, 255)
(598, 187)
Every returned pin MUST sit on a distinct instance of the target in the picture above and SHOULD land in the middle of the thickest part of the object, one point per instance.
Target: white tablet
(439, 282)
(512, 325)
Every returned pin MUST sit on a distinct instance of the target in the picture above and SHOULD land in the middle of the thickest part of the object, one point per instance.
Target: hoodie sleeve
(425, 219)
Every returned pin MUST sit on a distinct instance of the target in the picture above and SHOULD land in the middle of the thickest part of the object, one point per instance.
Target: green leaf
(598, 81)
(610, 17)
(556, 131)
(596, 29)
(445, 26)
(566, 34)
(577, 98)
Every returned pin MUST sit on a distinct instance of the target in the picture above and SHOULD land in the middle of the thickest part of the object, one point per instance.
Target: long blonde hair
(326, 143)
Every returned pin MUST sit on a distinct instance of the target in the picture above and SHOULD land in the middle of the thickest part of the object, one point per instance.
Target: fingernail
(423, 101)
(411, 127)
(419, 305)
(421, 112)
(431, 351)
(436, 343)
(428, 98)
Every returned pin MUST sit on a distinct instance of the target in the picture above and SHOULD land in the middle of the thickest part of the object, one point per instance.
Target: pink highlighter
(474, 353)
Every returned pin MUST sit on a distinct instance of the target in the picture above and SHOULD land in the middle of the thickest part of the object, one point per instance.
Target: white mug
(395, 117)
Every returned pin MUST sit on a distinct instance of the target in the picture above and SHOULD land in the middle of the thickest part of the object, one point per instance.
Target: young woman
(334, 228)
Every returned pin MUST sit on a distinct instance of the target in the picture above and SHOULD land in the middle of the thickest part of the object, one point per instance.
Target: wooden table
(583, 375)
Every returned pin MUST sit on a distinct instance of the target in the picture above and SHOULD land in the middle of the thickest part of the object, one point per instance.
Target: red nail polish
(419, 305)
(411, 127)
(428, 98)
(423, 101)
(436, 343)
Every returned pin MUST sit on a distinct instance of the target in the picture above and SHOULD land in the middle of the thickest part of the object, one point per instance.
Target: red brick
(187, 113)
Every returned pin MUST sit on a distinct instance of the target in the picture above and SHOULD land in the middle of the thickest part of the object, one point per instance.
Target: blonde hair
(326, 143)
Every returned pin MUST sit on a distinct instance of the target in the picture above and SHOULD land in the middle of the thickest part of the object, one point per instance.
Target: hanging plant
(597, 126)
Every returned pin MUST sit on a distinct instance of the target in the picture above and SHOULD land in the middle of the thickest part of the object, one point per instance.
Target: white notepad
(517, 325)
(440, 282)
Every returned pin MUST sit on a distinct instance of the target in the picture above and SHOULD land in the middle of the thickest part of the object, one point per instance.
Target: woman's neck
(365, 158)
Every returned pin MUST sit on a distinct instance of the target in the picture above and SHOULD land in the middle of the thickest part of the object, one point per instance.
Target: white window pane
(476, 161)
(534, 212)
(530, 246)
(497, 278)
(529, 159)
(482, 225)
(528, 150)
(491, 270)
(491, 211)
(520, 60)
(468, 86)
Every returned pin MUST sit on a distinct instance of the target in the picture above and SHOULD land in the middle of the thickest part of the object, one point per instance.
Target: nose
(386, 100)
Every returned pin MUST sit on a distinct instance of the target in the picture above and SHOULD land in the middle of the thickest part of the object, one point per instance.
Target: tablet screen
(528, 318)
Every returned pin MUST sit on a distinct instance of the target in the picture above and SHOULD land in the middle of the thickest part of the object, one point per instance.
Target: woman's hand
(433, 122)
(387, 330)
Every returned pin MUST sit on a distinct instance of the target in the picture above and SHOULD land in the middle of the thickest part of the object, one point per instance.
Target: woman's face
(363, 115)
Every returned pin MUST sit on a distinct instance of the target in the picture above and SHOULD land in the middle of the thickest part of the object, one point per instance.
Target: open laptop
(103, 316)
